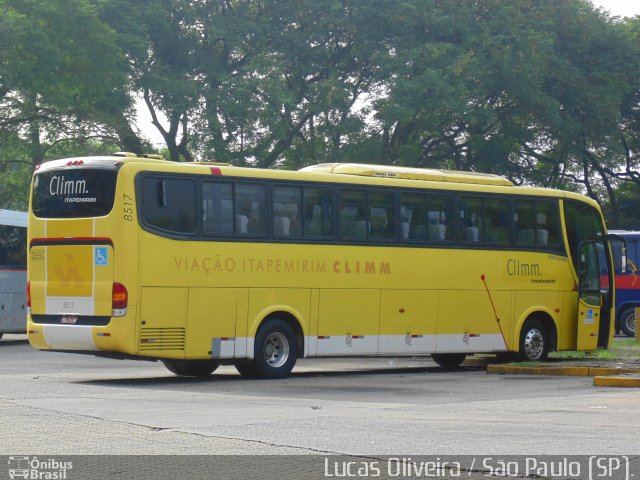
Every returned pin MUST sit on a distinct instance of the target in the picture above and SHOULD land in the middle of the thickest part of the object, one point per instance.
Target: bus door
(590, 296)
(597, 290)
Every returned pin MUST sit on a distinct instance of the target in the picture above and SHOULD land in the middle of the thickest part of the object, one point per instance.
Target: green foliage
(628, 208)
(62, 53)
(545, 93)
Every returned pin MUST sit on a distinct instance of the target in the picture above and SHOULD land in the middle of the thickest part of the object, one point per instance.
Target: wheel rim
(276, 349)
(534, 344)
(632, 321)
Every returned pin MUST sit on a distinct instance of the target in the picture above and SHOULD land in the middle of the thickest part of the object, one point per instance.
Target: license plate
(69, 319)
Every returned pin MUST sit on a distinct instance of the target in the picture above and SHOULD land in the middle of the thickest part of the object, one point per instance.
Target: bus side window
(633, 257)
(353, 223)
(169, 204)
(413, 213)
(471, 219)
(286, 208)
(250, 203)
(318, 206)
(524, 221)
(496, 215)
(547, 223)
(13, 246)
(217, 208)
(439, 217)
(536, 222)
(381, 218)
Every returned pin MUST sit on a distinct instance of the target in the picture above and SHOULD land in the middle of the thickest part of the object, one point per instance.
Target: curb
(633, 382)
(601, 372)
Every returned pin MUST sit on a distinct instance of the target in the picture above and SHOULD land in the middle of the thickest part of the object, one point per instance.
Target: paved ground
(67, 405)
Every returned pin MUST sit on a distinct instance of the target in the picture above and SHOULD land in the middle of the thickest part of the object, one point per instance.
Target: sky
(619, 8)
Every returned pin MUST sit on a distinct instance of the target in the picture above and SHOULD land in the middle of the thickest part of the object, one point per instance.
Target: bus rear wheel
(191, 368)
(449, 359)
(275, 351)
(534, 344)
(246, 368)
(629, 322)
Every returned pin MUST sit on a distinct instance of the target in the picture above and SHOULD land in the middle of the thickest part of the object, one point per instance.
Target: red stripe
(631, 282)
(13, 269)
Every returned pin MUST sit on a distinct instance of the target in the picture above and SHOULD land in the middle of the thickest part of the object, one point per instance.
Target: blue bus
(628, 284)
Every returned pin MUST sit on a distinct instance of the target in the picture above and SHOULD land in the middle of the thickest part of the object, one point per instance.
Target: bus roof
(338, 172)
(409, 173)
(13, 218)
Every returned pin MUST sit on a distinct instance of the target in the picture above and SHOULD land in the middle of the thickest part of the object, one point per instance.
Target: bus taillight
(29, 294)
(119, 300)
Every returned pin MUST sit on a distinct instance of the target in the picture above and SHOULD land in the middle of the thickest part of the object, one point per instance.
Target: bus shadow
(10, 342)
(230, 378)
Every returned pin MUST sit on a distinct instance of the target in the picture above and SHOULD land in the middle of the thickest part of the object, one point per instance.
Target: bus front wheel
(449, 359)
(534, 344)
(629, 322)
(191, 368)
(276, 350)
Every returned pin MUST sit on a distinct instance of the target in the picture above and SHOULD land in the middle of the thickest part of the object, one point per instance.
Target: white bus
(13, 272)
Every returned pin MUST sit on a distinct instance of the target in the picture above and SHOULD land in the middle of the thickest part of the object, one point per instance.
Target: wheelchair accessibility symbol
(101, 258)
(589, 318)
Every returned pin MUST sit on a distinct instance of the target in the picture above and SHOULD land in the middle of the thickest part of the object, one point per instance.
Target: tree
(61, 75)
(251, 82)
(545, 93)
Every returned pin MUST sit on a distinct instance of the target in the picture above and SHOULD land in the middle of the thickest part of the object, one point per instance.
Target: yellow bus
(203, 264)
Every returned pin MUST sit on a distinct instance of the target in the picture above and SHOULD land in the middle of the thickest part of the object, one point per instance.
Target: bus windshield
(583, 224)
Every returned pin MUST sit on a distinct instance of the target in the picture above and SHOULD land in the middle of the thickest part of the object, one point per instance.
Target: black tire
(191, 368)
(534, 342)
(275, 351)
(246, 368)
(629, 322)
(449, 360)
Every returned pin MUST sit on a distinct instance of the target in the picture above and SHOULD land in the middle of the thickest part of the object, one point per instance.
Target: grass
(621, 348)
